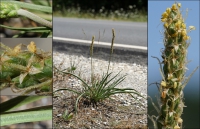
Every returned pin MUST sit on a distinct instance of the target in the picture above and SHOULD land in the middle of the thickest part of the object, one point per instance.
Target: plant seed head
(91, 46)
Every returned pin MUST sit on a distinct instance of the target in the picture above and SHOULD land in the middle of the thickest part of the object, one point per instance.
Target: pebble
(59, 115)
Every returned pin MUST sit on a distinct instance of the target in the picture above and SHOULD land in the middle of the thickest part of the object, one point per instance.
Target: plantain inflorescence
(176, 42)
(26, 70)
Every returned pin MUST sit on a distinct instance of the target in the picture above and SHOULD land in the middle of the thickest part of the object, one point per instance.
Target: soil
(110, 113)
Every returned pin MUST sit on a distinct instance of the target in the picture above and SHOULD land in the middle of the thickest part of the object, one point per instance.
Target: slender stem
(91, 54)
(34, 17)
(111, 49)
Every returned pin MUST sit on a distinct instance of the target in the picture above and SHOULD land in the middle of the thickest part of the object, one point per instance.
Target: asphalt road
(127, 33)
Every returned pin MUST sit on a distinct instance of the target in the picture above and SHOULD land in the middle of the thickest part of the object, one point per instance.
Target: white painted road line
(100, 43)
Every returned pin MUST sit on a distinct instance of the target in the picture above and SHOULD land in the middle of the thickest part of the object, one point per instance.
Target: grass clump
(97, 90)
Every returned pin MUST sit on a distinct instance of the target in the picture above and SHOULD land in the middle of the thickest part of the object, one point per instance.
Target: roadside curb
(60, 45)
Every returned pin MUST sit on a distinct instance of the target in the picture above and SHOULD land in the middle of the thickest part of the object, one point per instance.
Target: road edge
(118, 49)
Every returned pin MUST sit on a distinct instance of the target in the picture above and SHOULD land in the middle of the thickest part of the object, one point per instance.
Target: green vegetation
(128, 10)
(9, 116)
(121, 15)
(26, 70)
(38, 13)
(98, 90)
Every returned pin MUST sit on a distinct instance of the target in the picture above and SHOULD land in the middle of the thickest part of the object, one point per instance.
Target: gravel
(133, 66)
(136, 74)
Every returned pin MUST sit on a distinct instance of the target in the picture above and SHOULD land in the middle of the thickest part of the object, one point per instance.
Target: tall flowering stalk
(176, 42)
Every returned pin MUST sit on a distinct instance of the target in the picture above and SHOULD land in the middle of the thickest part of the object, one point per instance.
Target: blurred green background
(104, 9)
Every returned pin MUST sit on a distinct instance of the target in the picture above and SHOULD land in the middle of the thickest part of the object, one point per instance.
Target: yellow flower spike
(163, 83)
(32, 47)
(165, 15)
(179, 5)
(168, 10)
(174, 7)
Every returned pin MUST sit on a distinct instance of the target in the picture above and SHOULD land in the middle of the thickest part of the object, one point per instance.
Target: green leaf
(28, 6)
(31, 29)
(17, 102)
(45, 34)
(30, 115)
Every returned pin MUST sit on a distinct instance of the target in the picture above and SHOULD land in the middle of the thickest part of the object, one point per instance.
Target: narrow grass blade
(68, 90)
(84, 83)
(30, 29)
(76, 105)
(26, 116)
(17, 102)
(30, 6)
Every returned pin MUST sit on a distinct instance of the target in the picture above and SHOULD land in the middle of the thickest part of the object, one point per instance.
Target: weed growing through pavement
(98, 89)
(67, 116)
(72, 67)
